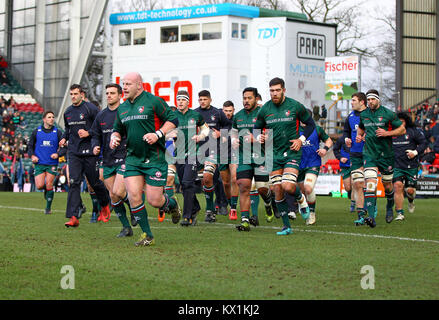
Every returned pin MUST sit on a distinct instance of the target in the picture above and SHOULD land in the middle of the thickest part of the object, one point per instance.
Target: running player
(145, 120)
(78, 119)
(113, 159)
(407, 148)
(281, 116)
(377, 127)
(228, 170)
(43, 150)
(310, 164)
(250, 165)
(191, 130)
(359, 104)
(341, 152)
(216, 120)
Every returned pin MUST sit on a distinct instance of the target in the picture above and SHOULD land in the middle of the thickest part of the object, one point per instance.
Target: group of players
(273, 151)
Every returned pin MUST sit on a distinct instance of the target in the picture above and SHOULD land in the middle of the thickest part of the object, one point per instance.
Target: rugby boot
(210, 216)
(370, 222)
(411, 206)
(47, 211)
(73, 222)
(233, 215)
(285, 231)
(254, 221)
(292, 215)
(399, 217)
(312, 219)
(125, 232)
(144, 241)
(105, 213)
(244, 226)
(161, 215)
(175, 213)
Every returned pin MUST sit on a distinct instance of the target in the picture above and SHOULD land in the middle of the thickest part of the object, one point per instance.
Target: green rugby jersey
(283, 121)
(243, 123)
(146, 114)
(378, 147)
(187, 127)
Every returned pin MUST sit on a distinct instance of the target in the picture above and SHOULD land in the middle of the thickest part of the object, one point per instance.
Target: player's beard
(281, 98)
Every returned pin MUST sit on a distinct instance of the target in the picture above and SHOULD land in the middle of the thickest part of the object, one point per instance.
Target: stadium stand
(20, 115)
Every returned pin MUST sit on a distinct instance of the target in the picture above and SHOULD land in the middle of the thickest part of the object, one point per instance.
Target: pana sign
(268, 34)
(311, 46)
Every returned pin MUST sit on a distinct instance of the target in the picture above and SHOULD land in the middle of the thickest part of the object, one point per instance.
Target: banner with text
(341, 77)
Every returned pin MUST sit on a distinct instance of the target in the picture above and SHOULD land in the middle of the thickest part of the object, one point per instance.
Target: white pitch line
(221, 224)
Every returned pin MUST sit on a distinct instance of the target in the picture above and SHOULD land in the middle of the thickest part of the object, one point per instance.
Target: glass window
(139, 36)
(244, 31)
(2, 22)
(205, 81)
(124, 37)
(29, 17)
(190, 32)
(2, 6)
(169, 34)
(18, 4)
(28, 52)
(243, 82)
(17, 54)
(18, 19)
(29, 35)
(17, 36)
(62, 49)
(62, 31)
(235, 30)
(28, 71)
(212, 31)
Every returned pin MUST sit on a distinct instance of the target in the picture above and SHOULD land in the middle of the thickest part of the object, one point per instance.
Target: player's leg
(135, 184)
(289, 185)
(398, 187)
(227, 181)
(76, 173)
(370, 197)
(91, 171)
(40, 181)
(208, 188)
(95, 216)
(155, 182)
(357, 177)
(244, 180)
(308, 188)
(234, 192)
(187, 173)
(261, 182)
(116, 188)
(50, 177)
(281, 203)
(254, 199)
(386, 169)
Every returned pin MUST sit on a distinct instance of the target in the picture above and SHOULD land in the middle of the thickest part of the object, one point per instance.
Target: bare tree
(268, 4)
(346, 16)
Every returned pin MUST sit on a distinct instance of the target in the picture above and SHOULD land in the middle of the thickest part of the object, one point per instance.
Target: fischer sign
(166, 86)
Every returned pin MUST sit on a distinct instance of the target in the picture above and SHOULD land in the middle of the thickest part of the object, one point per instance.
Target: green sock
(49, 198)
(400, 211)
(170, 203)
(119, 209)
(282, 208)
(142, 219)
(245, 214)
(208, 193)
(312, 206)
(169, 190)
(390, 199)
(254, 202)
(233, 202)
(371, 201)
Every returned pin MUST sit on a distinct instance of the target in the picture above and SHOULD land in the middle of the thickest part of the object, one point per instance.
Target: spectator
(4, 81)
(3, 63)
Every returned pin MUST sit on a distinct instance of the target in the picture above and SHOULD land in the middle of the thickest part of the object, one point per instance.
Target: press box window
(124, 37)
(139, 36)
(212, 31)
(190, 32)
(235, 30)
(169, 34)
(244, 31)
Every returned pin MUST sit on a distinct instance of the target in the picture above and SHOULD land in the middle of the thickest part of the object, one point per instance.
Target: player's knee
(357, 176)
(311, 197)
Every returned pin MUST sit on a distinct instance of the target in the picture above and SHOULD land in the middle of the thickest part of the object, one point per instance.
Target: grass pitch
(214, 261)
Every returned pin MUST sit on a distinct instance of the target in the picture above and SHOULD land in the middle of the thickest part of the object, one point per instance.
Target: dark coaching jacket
(413, 139)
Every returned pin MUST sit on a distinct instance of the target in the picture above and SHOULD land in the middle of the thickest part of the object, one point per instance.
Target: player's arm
(337, 147)
(31, 146)
(305, 118)
(96, 136)
(203, 132)
(396, 123)
(347, 132)
(421, 144)
(259, 131)
(360, 132)
(118, 132)
(169, 118)
(66, 134)
(327, 141)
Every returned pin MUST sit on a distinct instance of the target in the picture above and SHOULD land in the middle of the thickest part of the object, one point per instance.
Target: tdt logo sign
(268, 33)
